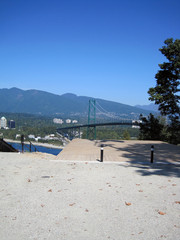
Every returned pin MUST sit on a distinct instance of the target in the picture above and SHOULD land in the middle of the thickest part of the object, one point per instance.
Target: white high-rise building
(3, 122)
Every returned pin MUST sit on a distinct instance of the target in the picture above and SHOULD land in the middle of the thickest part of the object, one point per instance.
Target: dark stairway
(6, 147)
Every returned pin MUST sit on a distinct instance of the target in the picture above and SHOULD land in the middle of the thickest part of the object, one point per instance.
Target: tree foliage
(151, 128)
(126, 135)
(166, 93)
(114, 133)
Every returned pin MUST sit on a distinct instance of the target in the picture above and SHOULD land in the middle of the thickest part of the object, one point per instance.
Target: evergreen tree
(126, 135)
(166, 92)
(151, 128)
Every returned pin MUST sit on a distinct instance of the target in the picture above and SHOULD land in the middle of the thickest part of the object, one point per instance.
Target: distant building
(11, 124)
(52, 135)
(135, 122)
(18, 136)
(31, 136)
(37, 139)
(74, 121)
(135, 126)
(58, 120)
(3, 122)
(49, 137)
(68, 120)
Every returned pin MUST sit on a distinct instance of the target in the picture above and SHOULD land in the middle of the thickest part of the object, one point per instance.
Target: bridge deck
(132, 151)
(123, 123)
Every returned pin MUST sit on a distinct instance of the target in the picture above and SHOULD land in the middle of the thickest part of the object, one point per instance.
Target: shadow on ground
(138, 155)
(158, 169)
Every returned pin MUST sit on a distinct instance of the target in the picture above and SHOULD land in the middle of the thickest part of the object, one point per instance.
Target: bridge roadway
(127, 123)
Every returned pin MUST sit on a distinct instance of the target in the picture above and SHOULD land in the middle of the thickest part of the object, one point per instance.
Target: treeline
(159, 128)
(24, 120)
(113, 133)
(36, 131)
(37, 125)
(27, 124)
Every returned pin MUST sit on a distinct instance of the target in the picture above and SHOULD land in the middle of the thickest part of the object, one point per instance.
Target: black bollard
(152, 153)
(22, 142)
(102, 149)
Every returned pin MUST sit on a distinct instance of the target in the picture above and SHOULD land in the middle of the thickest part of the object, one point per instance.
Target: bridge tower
(91, 131)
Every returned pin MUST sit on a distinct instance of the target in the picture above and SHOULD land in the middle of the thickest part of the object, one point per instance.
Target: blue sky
(105, 48)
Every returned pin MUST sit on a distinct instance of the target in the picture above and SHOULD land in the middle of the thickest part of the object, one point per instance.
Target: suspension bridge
(94, 108)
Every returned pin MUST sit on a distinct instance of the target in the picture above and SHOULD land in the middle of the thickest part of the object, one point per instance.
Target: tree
(151, 128)
(166, 92)
(126, 135)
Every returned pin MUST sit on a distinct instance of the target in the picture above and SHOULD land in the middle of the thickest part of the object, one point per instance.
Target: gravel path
(44, 198)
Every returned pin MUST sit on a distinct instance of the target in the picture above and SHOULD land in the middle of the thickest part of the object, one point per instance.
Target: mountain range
(15, 100)
(149, 107)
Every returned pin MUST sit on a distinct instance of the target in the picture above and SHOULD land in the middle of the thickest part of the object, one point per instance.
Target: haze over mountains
(15, 100)
(149, 107)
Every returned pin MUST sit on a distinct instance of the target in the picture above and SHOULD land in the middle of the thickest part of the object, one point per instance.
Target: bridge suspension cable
(108, 114)
(105, 112)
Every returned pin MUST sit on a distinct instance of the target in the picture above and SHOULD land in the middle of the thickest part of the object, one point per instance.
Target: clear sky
(100, 48)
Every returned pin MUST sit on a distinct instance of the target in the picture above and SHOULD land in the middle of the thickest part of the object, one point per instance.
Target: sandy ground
(42, 197)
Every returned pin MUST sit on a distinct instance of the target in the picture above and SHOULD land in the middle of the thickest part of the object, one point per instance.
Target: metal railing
(28, 147)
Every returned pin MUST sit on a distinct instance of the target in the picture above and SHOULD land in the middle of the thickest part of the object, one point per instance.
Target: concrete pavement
(120, 151)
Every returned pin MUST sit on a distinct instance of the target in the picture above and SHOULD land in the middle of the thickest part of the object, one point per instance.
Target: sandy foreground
(42, 197)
